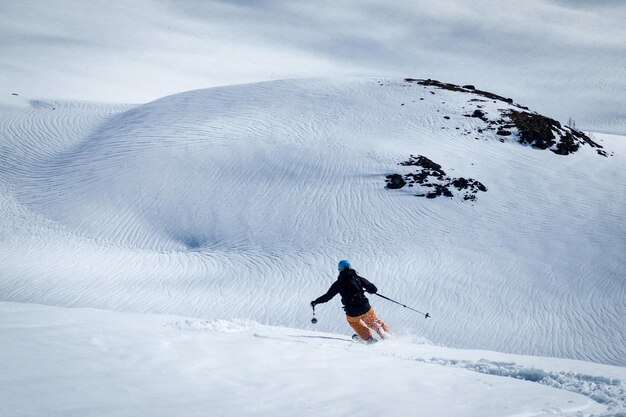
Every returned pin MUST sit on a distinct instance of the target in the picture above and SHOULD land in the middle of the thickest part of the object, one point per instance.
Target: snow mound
(236, 203)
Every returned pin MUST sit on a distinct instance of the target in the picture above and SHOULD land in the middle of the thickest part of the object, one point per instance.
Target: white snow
(236, 203)
(565, 58)
(158, 259)
(67, 362)
(226, 210)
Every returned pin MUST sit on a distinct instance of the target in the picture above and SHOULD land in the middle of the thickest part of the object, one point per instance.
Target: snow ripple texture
(237, 202)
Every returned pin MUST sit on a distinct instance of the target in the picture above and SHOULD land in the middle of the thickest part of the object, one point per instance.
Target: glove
(313, 304)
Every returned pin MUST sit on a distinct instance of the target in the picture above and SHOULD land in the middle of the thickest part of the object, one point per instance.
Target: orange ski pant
(363, 325)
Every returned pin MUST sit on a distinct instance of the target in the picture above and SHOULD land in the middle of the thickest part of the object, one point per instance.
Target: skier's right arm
(368, 286)
(332, 291)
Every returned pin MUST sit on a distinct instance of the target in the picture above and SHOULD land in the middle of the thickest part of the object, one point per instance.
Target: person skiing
(359, 313)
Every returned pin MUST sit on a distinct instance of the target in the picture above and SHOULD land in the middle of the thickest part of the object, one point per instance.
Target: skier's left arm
(368, 286)
(332, 291)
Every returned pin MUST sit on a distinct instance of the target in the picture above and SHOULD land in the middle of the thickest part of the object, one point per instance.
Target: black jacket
(352, 288)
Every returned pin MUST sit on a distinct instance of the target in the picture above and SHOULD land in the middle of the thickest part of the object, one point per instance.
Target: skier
(359, 313)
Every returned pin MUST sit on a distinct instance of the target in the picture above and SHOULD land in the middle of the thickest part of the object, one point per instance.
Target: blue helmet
(343, 264)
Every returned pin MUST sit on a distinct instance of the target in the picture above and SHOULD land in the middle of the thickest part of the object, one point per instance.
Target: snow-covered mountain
(236, 203)
(231, 206)
(158, 259)
(564, 58)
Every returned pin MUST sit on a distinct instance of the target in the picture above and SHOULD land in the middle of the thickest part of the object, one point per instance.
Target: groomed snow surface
(235, 203)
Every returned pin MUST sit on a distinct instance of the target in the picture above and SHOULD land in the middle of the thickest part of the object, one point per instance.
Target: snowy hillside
(236, 203)
(565, 58)
(61, 362)
(178, 181)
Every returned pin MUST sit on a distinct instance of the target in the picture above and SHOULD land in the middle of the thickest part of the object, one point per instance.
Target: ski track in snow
(601, 389)
(236, 202)
(151, 364)
(608, 391)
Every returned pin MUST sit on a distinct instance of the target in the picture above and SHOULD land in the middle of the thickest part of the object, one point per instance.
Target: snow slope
(236, 202)
(565, 58)
(62, 362)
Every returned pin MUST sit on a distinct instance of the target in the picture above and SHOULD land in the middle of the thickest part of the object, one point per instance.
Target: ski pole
(313, 320)
(426, 315)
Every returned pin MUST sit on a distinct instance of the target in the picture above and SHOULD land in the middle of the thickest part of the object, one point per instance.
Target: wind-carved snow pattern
(206, 203)
(433, 181)
(603, 390)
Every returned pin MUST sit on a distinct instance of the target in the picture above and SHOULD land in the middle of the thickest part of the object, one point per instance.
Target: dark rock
(395, 181)
(464, 89)
(431, 175)
(566, 145)
(478, 113)
(584, 138)
(422, 161)
(460, 183)
(446, 117)
(469, 87)
(535, 129)
(503, 132)
(542, 132)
